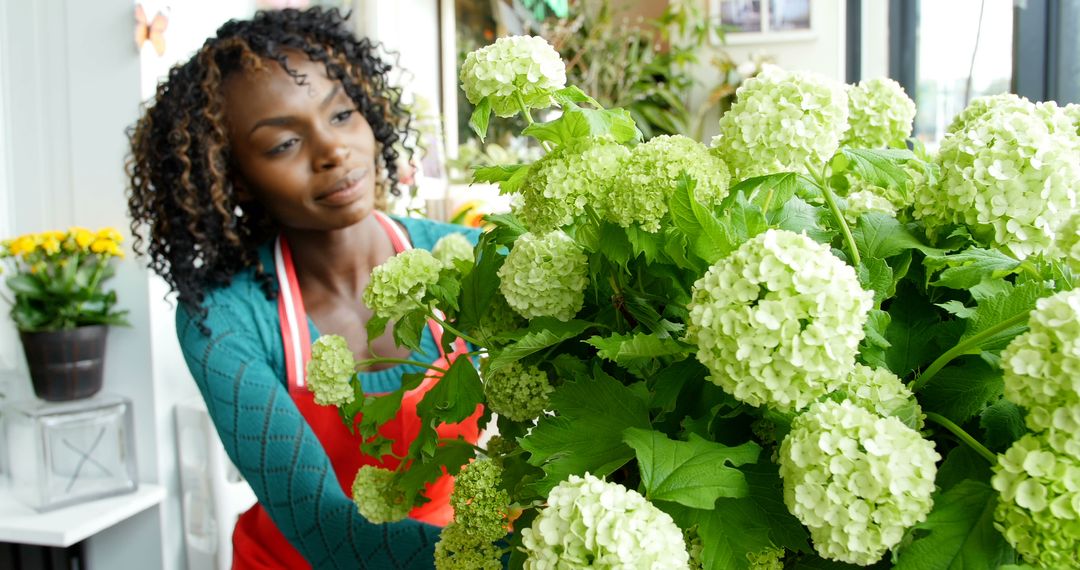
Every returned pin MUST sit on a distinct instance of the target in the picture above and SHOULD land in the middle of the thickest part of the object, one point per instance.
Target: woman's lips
(346, 191)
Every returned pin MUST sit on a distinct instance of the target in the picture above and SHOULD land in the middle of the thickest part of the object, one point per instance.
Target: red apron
(257, 542)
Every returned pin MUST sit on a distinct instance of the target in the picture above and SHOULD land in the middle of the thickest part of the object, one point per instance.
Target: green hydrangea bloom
(451, 247)
(1038, 508)
(980, 106)
(1067, 243)
(1042, 366)
(479, 504)
(499, 319)
(857, 480)
(498, 446)
(880, 114)
(781, 121)
(900, 197)
(1072, 111)
(331, 370)
(563, 182)
(779, 320)
(649, 177)
(767, 559)
(397, 285)
(545, 276)
(517, 391)
(865, 201)
(518, 65)
(458, 550)
(590, 523)
(377, 495)
(880, 391)
(1011, 174)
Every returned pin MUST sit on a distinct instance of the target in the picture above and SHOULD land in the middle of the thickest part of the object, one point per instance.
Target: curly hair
(185, 212)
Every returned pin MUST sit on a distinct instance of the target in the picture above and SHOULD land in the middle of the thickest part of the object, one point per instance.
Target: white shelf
(69, 525)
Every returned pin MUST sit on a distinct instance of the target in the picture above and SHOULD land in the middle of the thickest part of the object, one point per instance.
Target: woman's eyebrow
(280, 121)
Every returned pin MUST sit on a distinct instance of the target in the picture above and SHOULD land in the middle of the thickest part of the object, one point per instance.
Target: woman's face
(304, 151)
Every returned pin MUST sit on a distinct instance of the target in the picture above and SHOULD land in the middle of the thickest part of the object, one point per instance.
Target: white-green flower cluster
(1067, 243)
(497, 320)
(545, 276)
(1072, 111)
(866, 201)
(649, 178)
(1042, 366)
(479, 503)
(1010, 173)
(899, 197)
(1038, 508)
(880, 114)
(857, 480)
(331, 370)
(563, 182)
(517, 391)
(458, 550)
(453, 247)
(779, 320)
(590, 523)
(397, 285)
(780, 121)
(766, 559)
(980, 106)
(377, 495)
(880, 391)
(517, 66)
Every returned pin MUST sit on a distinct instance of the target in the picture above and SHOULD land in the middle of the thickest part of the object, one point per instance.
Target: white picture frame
(761, 21)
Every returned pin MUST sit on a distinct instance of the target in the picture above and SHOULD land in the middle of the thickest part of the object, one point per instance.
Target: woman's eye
(343, 116)
(283, 146)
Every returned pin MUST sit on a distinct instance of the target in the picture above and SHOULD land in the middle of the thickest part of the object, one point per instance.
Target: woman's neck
(338, 262)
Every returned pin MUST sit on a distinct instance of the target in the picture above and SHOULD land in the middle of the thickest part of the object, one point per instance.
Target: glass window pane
(789, 15)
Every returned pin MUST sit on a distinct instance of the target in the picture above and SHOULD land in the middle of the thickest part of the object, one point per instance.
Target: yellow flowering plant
(57, 278)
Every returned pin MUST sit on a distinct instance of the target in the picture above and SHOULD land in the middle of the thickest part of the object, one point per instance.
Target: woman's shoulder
(425, 232)
(243, 298)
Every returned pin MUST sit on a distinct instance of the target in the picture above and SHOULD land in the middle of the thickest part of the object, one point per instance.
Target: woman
(257, 174)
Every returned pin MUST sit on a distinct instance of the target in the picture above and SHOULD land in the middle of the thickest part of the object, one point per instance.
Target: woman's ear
(240, 190)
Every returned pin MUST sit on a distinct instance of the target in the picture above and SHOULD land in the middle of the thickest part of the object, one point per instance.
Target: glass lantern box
(61, 454)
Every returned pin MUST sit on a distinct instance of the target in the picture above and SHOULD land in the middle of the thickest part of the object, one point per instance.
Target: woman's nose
(333, 151)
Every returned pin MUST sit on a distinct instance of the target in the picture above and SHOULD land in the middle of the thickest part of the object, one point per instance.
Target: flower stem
(964, 347)
(830, 199)
(380, 360)
(528, 116)
(455, 332)
(963, 435)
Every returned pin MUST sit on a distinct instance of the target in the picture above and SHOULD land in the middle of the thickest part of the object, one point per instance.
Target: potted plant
(61, 308)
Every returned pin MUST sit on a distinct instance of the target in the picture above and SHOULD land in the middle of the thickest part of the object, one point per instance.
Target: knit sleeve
(277, 452)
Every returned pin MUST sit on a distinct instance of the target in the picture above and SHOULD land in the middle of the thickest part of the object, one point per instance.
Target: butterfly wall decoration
(152, 30)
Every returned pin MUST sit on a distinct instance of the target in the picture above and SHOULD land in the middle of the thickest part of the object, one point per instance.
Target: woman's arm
(279, 455)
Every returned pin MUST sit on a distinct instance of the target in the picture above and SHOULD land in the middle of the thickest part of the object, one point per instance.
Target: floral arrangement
(805, 346)
(57, 278)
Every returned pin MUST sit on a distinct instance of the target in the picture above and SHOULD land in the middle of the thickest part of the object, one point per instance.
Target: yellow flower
(115, 250)
(50, 245)
(110, 234)
(23, 245)
(83, 237)
(100, 245)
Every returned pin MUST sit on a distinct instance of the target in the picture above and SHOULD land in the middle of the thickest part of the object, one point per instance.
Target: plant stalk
(963, 435)
(453, 330)
(964, 347)
(379, 360)
(528, 116)
(830, 199)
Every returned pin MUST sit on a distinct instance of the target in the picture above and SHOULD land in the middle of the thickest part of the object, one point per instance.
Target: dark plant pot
(66, 364)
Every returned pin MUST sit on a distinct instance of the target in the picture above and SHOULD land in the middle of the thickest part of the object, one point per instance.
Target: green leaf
(376, 326)
(376, 410)
(880, 167)
(507, 228)
(959, 534)
(959, 309)
(962, 463)
(543, 332)
(968, 268)
(587, 433)
(409, 329)
(1002, 424)
(876, 275)
(645, 243)
(576, 123)
(572, 94)
(498, 173)
(479, 286)
(959, 392)
(995, 311)
(796, 215)
(881, 235)
(448, 457)
(910, 334)
(446, 290)
(636, 349)
(708, 238)
(767, 493)
(746, 220)
(694, 473)
(25, 284)
(729, 531)
(455, 396)
(614, 245)
(480, 117)
(770, 191)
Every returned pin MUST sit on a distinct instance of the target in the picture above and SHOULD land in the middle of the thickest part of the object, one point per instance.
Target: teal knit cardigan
(240, 370)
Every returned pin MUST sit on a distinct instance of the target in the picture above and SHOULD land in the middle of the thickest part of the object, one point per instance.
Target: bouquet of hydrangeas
(804, 346)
